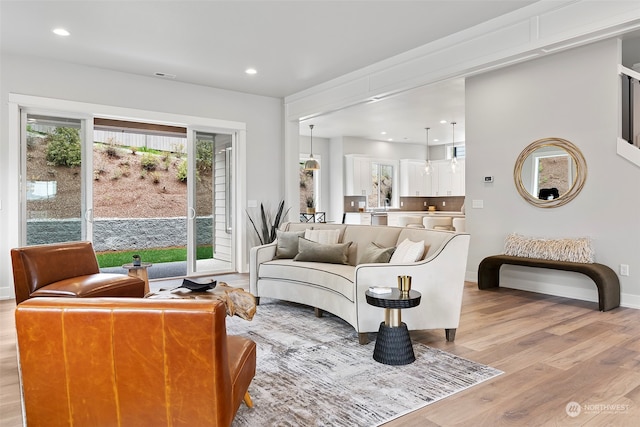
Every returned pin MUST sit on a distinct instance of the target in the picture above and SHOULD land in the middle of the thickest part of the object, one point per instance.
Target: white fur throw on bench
(567, 249)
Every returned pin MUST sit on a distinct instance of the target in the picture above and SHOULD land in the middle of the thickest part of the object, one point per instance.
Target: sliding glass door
(54, 195)
(210, 202)
(161, 191)
(140, 195)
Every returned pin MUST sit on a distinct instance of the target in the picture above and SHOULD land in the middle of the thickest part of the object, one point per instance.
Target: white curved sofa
(340, 289)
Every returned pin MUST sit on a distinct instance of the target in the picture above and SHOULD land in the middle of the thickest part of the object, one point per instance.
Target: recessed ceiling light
(436, 140)
(443, 121)
(251, 71)
(390, 139)
(383, 133)
(61, 32)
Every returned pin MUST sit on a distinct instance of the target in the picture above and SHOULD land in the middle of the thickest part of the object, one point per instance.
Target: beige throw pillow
(408, 251)
(578, 249)
(322, 236)
(375, 253)
(287, 243)
(319, 252)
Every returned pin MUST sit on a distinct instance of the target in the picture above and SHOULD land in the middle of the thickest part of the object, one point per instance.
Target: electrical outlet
(352, 203)
(624, 269)
(444, 203)
(401, 204)
(425, 203)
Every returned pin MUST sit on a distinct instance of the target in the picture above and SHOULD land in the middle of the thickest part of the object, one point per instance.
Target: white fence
(173, 144)
(156, 142)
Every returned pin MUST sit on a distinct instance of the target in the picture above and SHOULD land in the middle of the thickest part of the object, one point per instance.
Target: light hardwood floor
(553, 351)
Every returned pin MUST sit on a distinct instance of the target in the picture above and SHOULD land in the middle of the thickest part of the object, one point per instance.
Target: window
(382, 184)
(309, 187)
(459, 151)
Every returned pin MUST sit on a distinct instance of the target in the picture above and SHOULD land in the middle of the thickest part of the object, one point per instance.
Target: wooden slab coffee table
(238, 301)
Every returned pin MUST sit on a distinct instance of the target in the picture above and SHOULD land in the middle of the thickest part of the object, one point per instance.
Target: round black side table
(393, 344)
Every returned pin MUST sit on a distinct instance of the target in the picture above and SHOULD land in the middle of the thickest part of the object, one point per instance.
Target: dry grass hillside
(122, 188)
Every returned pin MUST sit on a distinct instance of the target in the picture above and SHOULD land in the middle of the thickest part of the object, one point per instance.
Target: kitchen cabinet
(446, 183)
(358, 181)
(413, 179)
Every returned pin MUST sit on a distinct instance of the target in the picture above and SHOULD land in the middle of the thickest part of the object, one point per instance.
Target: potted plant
(311, 205)
(268, 222)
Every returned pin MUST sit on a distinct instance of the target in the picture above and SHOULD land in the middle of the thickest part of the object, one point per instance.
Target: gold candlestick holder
(404, 284)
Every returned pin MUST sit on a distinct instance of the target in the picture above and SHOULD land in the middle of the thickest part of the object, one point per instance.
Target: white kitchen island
(393, 216)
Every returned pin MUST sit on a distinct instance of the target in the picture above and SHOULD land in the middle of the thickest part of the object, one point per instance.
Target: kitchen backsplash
(452, 203)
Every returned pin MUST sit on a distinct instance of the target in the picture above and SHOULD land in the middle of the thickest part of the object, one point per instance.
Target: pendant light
(428, 168)
(454, 160)
(311, 164)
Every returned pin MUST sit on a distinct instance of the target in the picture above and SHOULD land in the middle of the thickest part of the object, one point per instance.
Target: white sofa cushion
(362, 235)
(335, 277)
(322, 236)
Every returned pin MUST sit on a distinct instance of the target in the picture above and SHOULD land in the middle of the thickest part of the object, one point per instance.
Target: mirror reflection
(550, 172)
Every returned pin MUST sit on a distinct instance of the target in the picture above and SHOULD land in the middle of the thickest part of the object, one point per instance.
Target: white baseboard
(579, 286)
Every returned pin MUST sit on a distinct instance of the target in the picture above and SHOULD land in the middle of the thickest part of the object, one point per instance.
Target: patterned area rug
(312, 372)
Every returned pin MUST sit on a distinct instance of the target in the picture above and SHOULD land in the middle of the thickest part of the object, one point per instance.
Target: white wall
(336, 179)
(30, 76)
(382, 149)
(571, 95)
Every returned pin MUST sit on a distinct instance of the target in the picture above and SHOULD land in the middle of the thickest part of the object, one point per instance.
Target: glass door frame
(52, 106)
(191, 198)
(86, 168)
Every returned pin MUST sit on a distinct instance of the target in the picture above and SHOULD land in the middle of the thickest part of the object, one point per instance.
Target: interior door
(54, 187)
(211, 190)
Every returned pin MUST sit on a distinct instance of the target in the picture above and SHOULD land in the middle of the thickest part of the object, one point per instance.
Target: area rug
(313, 372)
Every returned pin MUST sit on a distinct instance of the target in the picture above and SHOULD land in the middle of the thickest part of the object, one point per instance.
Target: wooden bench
(604, 277)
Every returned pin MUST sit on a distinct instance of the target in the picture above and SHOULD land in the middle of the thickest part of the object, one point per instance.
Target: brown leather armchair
(67, 270)
(130, 362)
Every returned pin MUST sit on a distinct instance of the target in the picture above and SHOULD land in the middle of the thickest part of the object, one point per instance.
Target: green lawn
(154, 256)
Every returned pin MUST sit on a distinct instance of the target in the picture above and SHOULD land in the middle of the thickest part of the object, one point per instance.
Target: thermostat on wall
(488, 179)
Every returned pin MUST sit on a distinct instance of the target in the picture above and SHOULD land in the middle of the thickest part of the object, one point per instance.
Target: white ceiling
(294, 45)
(403, 117)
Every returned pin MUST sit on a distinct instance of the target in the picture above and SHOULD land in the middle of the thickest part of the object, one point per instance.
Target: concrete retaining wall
(121, 234)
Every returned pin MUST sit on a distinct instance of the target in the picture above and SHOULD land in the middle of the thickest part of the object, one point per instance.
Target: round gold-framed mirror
(550, 172)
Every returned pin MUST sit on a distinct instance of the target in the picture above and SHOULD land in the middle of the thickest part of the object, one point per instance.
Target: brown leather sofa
(130, 362)
(67, 270)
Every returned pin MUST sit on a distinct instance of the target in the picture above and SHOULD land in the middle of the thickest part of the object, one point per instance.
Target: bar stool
(438, 222)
